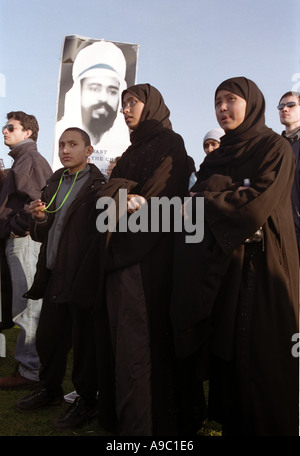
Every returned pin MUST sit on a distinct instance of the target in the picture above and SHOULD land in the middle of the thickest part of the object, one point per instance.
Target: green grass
(39, 423)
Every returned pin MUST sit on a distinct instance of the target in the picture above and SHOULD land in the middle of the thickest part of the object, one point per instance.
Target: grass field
(39, 423)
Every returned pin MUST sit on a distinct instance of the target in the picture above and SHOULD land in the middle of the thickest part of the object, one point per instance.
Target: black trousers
(62, 327)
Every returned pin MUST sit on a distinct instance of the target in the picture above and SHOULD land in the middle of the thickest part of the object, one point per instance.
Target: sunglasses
(289, 104)
(9, 127)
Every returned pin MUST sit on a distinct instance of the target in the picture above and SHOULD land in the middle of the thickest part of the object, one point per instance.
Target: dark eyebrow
(131, 98)
(68, 142)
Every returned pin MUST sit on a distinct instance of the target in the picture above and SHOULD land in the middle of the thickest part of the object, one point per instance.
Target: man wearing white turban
(93, 102)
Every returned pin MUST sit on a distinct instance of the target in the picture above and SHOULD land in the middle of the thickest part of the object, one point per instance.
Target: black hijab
(251, 150)
(236, 143)
(157, 161)
(155, 115)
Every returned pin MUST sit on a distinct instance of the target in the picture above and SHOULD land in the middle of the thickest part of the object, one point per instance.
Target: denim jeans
(22, 254)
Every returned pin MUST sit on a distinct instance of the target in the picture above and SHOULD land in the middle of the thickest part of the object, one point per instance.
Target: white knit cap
(214, 134)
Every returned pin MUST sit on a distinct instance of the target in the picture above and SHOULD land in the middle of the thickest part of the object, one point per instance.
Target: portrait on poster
(93, 74)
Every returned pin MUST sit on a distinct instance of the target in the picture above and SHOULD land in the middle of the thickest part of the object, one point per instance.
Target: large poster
(93, 74)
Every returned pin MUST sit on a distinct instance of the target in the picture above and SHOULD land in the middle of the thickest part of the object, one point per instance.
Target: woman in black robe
(243, 284)
(139, 274)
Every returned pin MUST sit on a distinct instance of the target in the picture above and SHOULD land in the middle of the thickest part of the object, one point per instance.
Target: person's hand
(135, 202)
(37, 209)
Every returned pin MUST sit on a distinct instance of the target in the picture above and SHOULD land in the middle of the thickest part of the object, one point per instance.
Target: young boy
(62, 222)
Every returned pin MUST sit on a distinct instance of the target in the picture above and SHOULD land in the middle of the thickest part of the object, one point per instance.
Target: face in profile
(132, 109)
(13, 132)
(99, 102)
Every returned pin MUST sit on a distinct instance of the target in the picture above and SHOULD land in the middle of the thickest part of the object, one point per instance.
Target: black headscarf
(235, 143)
(254, 151)
(157, 161)
(155, 113)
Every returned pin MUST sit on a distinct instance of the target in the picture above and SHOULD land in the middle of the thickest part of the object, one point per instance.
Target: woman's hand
(135, 202)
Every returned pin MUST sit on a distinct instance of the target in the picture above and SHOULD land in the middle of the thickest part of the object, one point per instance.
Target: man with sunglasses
(23, 183)
(289, 114)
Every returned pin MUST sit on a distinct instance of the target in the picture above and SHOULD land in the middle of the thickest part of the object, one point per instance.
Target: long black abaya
(139, 280)
(249, 292)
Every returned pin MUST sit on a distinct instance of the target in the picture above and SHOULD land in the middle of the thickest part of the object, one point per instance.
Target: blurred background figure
(289, 114)
(212, 139)
(111, 165)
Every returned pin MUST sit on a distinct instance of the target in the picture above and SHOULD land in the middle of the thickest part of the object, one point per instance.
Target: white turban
(102, 58)
(98, 57)
(95, 60)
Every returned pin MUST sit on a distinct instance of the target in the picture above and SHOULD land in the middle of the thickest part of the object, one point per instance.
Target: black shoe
(37, 400)
(76, 415)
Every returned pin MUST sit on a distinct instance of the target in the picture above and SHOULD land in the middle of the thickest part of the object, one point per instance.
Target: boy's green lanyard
(55, 194)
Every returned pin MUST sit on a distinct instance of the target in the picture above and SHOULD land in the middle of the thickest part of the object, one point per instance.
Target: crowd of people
(148, 315)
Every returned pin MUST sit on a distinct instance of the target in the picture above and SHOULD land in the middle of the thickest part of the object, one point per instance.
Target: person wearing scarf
(138, 269)
(212, 139)
(243, 290)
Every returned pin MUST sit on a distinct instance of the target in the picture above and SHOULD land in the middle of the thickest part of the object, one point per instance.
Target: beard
(98, 119)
